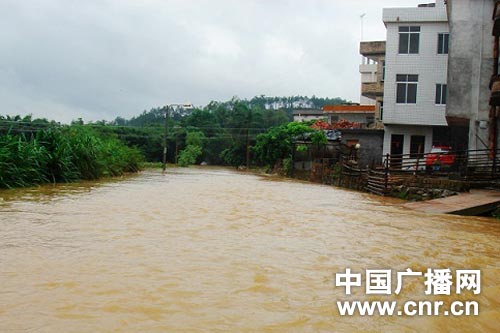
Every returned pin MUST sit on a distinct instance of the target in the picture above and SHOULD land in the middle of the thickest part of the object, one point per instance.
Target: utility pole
(165, 135)
(249, 120)
(165, 140)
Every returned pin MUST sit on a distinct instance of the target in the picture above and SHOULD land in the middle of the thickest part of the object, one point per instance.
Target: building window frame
(443, 42)
(409, 39)
(441, 94)
(406, 88)
(383, 71)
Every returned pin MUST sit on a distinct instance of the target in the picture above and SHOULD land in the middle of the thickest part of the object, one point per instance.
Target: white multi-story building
(415, 86)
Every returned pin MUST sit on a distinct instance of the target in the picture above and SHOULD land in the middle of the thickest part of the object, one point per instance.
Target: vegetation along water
(35, 151)
(61, 154)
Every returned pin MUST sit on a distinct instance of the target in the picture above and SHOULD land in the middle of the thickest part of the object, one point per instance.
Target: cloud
(98, 59)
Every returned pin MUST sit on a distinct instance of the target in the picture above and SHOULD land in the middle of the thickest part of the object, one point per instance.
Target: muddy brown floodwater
(212, 250)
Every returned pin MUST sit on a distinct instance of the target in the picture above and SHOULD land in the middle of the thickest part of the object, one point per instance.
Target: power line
(130, 126)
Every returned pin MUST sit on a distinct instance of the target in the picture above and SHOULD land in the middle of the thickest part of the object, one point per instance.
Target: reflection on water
(210, 250)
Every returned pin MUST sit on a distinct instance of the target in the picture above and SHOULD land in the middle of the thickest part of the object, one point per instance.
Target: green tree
(189, 155)
(276, 144)
(195, 138)
(193, 150)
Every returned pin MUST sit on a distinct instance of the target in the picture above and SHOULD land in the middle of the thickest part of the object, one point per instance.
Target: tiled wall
(431, 68)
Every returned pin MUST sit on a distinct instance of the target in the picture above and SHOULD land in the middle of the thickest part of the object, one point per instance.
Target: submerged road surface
(212, 250)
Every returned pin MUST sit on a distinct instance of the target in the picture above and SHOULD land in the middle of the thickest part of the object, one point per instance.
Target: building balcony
(372, 89)
(372, 48)
(495, 90)
(496, 19)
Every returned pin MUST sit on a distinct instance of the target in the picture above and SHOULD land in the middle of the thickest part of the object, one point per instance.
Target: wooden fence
(471, 166)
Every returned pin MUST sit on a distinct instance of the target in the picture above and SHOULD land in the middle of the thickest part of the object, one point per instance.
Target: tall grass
(63, 154)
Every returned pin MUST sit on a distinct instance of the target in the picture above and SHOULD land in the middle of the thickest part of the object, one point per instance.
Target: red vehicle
(440, 157)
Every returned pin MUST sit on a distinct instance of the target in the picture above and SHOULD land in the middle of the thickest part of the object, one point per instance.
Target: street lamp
(167, 111)
(356, 151)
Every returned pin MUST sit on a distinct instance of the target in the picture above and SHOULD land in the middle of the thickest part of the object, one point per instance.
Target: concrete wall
(470, 65)
(352, 117)
(366, 101)
(308, 117)
(371, 142)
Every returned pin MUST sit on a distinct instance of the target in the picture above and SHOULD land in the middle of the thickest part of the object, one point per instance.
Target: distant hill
(288, 104)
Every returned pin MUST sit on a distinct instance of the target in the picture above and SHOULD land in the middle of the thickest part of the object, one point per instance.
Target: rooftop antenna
(361, 17)
(361, 39)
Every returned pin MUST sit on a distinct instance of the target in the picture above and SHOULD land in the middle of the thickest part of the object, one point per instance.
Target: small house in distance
(359, 129)
(364, 115)
(307, 114)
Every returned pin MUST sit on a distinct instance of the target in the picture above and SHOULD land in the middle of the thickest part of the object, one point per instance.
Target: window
(409, 39)
(383, 70)
(334, 119)
(417, 143)
(443, 43)
(381, 110)
(406, 92)
(370, 119)
(440, 94)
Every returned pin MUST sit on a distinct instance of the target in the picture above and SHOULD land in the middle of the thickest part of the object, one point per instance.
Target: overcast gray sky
(98, 59)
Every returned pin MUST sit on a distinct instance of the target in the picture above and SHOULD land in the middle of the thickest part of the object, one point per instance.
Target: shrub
(189, 155)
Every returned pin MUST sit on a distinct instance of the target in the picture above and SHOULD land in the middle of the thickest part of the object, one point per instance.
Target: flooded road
(212, 250)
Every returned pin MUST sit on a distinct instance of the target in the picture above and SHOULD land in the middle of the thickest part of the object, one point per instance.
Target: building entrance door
(397, 141)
